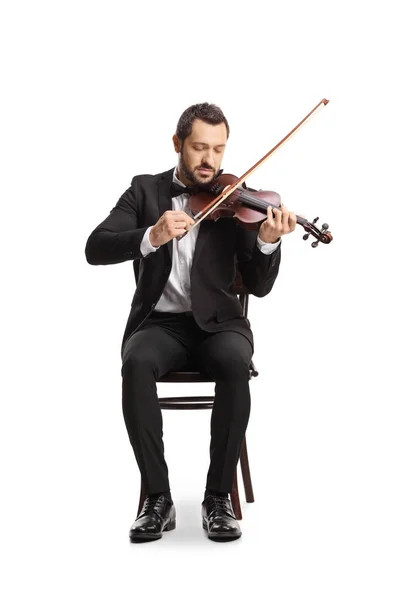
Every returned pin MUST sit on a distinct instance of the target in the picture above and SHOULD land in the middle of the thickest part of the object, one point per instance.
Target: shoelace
(150, 503)
(222, 502)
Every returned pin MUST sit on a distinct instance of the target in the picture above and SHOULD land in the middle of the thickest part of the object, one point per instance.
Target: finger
(189, 220)
(285, 218)
(181, 215)
(180, 224)
(186, 215)
(188, 223)
(177, 215)
(292, 220)
(277, 215)
(270, 214)
(178, 232)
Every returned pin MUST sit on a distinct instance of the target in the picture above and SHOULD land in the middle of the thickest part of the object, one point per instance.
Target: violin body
(249, 207)
(235, 205)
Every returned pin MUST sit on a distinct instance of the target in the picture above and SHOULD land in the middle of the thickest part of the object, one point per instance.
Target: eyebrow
(203, 144)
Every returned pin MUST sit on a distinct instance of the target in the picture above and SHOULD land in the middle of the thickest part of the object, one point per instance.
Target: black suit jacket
(219, 246)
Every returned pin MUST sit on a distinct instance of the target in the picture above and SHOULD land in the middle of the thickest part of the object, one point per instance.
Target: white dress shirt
(176, 295)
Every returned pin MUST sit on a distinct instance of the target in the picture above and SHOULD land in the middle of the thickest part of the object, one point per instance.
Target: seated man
(183, 308)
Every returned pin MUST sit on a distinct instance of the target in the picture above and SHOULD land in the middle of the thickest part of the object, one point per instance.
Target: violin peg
(324, 227)
(315, 244)
(315, 220)
(306, 236)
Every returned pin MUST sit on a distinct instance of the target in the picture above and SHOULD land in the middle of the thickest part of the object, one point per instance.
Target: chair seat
(184, 377)
(190, 376)
(191, 402)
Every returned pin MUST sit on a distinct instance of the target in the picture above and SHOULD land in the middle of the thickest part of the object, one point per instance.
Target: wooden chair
(203, 402)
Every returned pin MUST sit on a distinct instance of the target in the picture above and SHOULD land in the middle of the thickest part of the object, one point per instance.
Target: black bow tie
(177, 190)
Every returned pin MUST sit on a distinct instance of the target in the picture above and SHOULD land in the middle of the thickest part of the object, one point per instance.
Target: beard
(192, 175)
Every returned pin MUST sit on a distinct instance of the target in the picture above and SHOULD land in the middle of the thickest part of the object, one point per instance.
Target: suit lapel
(204, 231)
(165, 200)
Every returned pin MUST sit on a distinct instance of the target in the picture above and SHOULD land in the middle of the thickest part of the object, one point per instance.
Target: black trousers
(170, 341)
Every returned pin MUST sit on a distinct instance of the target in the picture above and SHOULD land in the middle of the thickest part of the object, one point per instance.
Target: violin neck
(302, 220)
(262, 205)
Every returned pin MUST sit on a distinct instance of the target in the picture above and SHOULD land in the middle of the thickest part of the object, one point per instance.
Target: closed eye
(200, 147)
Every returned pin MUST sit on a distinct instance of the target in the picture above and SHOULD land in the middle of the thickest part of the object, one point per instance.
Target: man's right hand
(171, 224)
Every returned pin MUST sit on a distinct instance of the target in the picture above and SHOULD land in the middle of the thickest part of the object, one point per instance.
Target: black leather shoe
(219, 519)
(157, 515)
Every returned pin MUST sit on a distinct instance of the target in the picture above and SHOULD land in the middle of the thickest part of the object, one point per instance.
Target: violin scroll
(322, 235)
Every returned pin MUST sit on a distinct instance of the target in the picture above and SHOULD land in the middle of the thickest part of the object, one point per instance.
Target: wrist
(152, 239)
(270, 241)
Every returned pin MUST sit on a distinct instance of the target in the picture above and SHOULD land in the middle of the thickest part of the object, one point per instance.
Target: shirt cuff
(145, 246)
(266, 247)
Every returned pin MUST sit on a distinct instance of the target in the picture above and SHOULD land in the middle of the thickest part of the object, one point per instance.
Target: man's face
(202, 153)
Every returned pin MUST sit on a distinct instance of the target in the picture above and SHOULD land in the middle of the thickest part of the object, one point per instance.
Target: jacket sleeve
(118, 237)
(258, 270)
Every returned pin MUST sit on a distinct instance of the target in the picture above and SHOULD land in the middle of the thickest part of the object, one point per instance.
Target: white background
(91, 94)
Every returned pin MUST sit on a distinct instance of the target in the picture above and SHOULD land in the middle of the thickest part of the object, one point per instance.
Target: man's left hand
(279, 222)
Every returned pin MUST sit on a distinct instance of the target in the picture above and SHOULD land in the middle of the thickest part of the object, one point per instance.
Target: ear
(177, 143)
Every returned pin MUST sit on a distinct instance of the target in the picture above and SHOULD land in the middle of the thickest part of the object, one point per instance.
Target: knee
(137, 364)
(233, 366)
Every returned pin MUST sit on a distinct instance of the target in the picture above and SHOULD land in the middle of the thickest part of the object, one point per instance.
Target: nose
(208, 158)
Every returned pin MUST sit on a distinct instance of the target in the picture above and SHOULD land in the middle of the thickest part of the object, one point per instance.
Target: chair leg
(235, 498)
(244, 463)
(142, 497)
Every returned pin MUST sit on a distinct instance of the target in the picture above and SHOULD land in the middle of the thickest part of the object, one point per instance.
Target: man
(183, 311)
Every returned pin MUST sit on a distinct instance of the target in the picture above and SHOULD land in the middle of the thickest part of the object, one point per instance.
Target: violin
(228, 197)
(249, 207)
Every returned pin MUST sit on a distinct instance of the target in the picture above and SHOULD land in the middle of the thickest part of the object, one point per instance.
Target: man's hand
(278, 222)
(171, 224)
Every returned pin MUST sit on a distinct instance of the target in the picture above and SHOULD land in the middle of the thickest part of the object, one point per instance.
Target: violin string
(258, 203)
(255, 201)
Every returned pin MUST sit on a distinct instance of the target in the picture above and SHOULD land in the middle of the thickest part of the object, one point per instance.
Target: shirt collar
(175, 178)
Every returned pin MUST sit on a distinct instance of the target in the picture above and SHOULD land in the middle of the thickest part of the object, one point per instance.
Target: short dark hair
(210, 113)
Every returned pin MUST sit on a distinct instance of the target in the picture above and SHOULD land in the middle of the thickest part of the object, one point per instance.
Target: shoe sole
(221, 537)
(149, 537)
